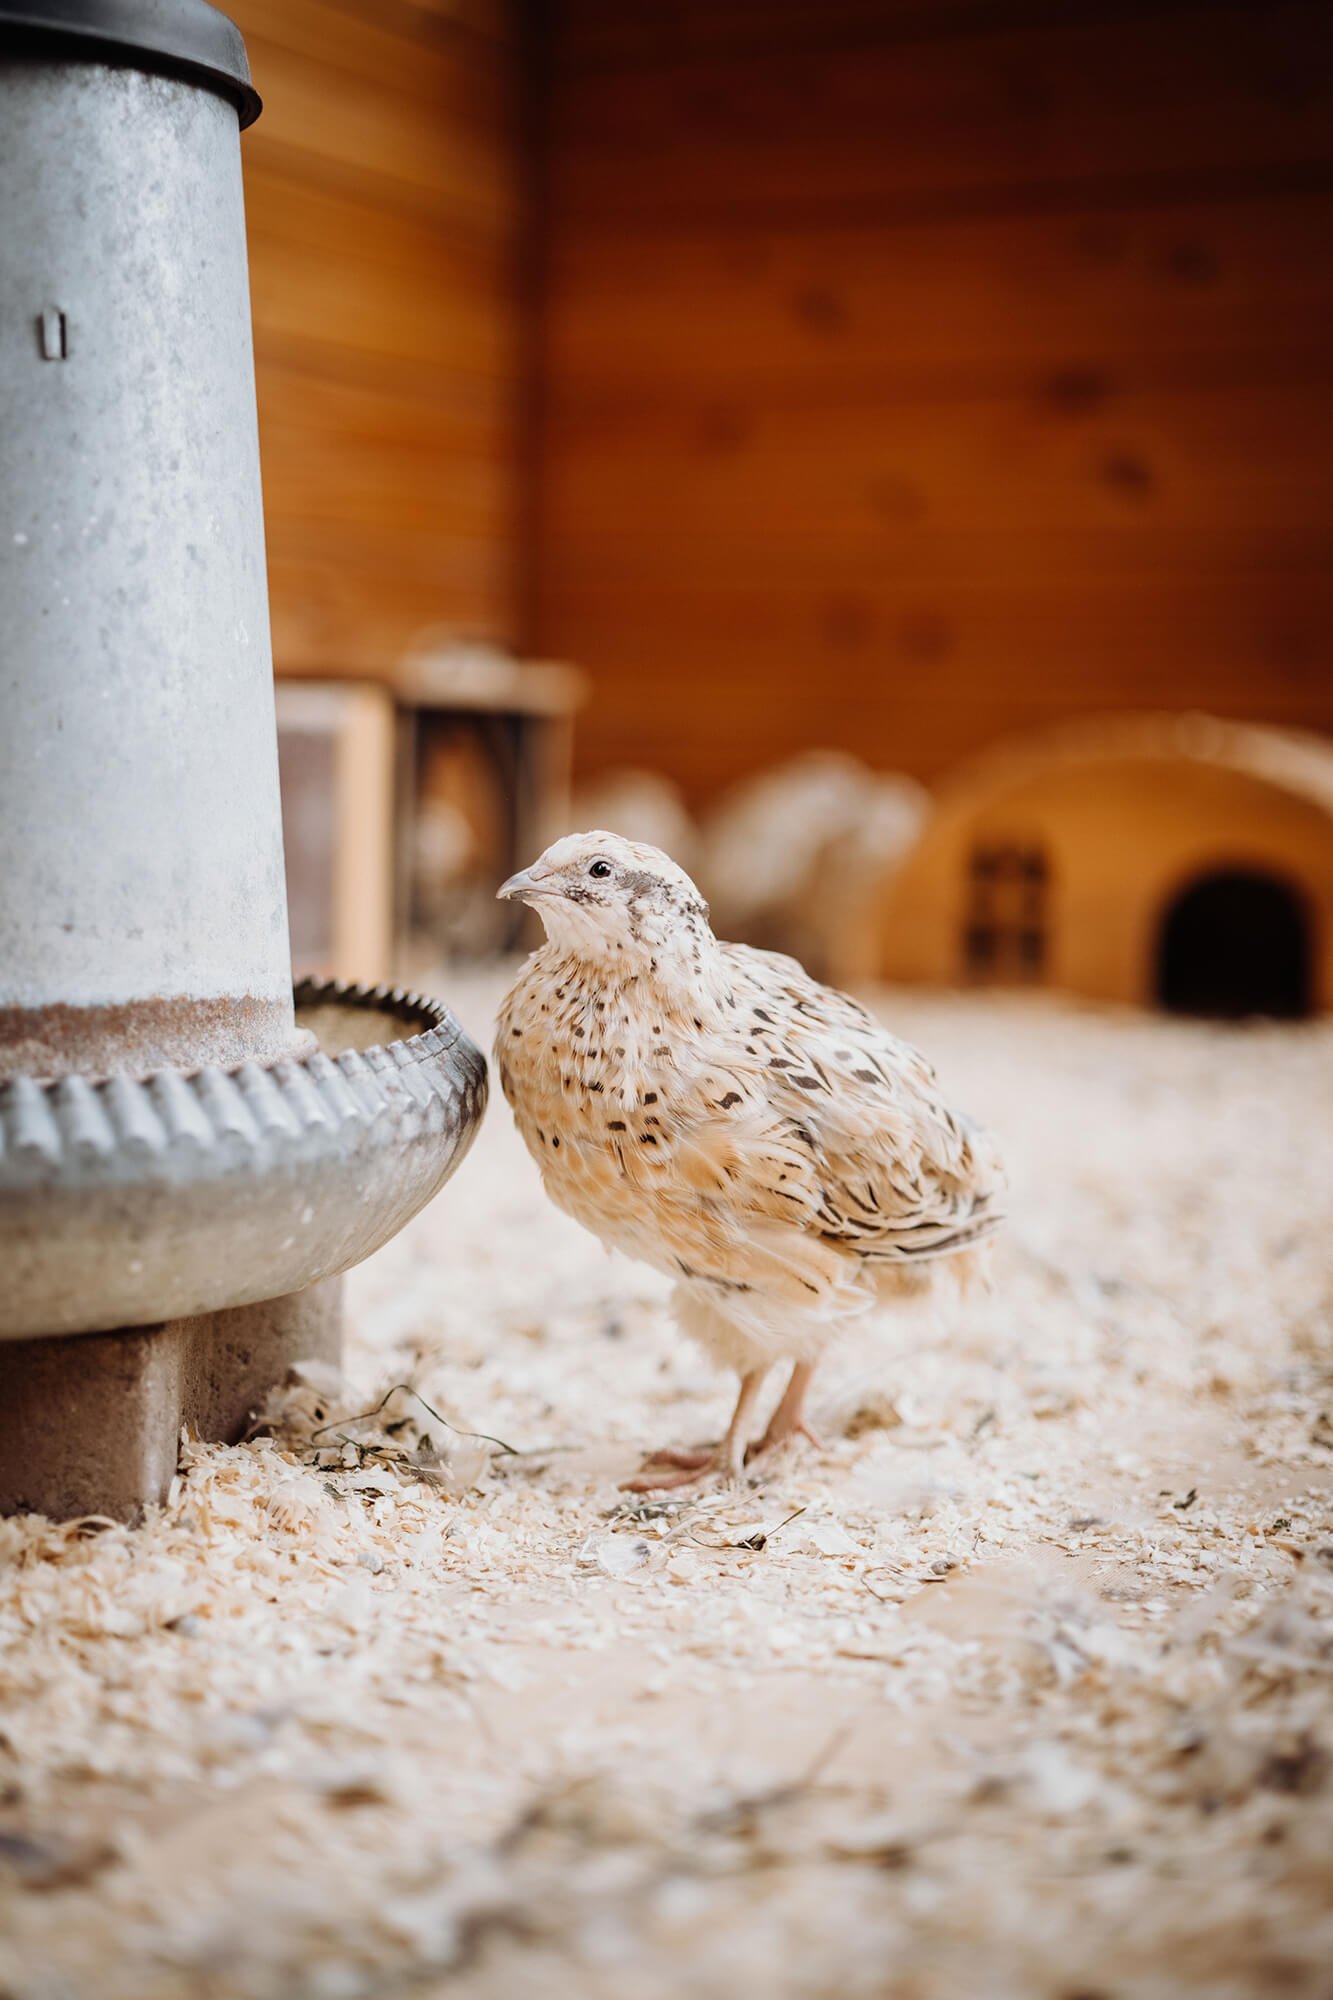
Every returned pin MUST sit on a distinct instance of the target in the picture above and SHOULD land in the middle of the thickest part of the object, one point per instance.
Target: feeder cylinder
(143, 913)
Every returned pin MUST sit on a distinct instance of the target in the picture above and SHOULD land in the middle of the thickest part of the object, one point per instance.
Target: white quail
(714, 1112)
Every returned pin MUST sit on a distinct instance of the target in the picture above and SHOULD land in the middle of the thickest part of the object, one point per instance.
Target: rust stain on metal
(173, 1032)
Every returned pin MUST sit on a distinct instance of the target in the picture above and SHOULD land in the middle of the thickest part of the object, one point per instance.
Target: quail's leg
(685, 1468)
(788, 1420)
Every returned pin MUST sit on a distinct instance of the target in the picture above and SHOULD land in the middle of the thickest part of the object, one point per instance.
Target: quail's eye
(599, 870)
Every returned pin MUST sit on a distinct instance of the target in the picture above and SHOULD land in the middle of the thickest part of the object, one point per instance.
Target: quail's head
(603, 896)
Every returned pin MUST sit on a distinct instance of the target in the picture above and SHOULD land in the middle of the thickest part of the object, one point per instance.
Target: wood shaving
(1023, 1685)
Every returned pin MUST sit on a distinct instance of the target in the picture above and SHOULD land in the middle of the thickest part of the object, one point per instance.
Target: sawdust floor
(1022, 1686)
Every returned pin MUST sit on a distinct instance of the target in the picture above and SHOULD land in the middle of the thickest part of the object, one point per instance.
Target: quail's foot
(788, 1420)
(669, 1468)
(687, 1468)
(771, 1442)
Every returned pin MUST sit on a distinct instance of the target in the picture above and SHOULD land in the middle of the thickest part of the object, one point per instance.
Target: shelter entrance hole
(1235, 943)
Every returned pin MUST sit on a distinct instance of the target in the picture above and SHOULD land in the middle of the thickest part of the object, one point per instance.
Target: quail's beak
(521, 888)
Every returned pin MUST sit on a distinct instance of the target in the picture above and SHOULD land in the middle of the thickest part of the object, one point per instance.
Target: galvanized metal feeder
(184, 1165)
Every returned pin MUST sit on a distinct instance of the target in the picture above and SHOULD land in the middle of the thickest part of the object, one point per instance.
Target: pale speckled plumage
(714, 1112)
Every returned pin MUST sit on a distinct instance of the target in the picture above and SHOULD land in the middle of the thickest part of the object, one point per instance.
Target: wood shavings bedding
(1024, 1686)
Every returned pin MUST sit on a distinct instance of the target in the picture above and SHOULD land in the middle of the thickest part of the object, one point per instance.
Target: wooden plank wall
(385, 199)
(915, 370)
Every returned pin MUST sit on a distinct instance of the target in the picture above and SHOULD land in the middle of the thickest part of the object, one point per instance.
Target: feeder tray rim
(383, 999)
(240, 1184)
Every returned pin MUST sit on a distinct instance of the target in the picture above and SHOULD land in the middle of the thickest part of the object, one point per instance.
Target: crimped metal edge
(128, 1200)
(79, 1122)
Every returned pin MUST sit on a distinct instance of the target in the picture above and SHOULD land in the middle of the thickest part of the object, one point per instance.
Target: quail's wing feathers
(841, 1128)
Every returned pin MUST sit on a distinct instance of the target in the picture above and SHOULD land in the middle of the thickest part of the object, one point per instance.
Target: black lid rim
(184, 38)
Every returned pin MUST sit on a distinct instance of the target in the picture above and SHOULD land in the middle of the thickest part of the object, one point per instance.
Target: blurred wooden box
(483, 784)
(336, 766)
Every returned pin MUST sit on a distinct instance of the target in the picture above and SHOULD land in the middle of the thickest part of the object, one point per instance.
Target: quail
(716, 1113)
